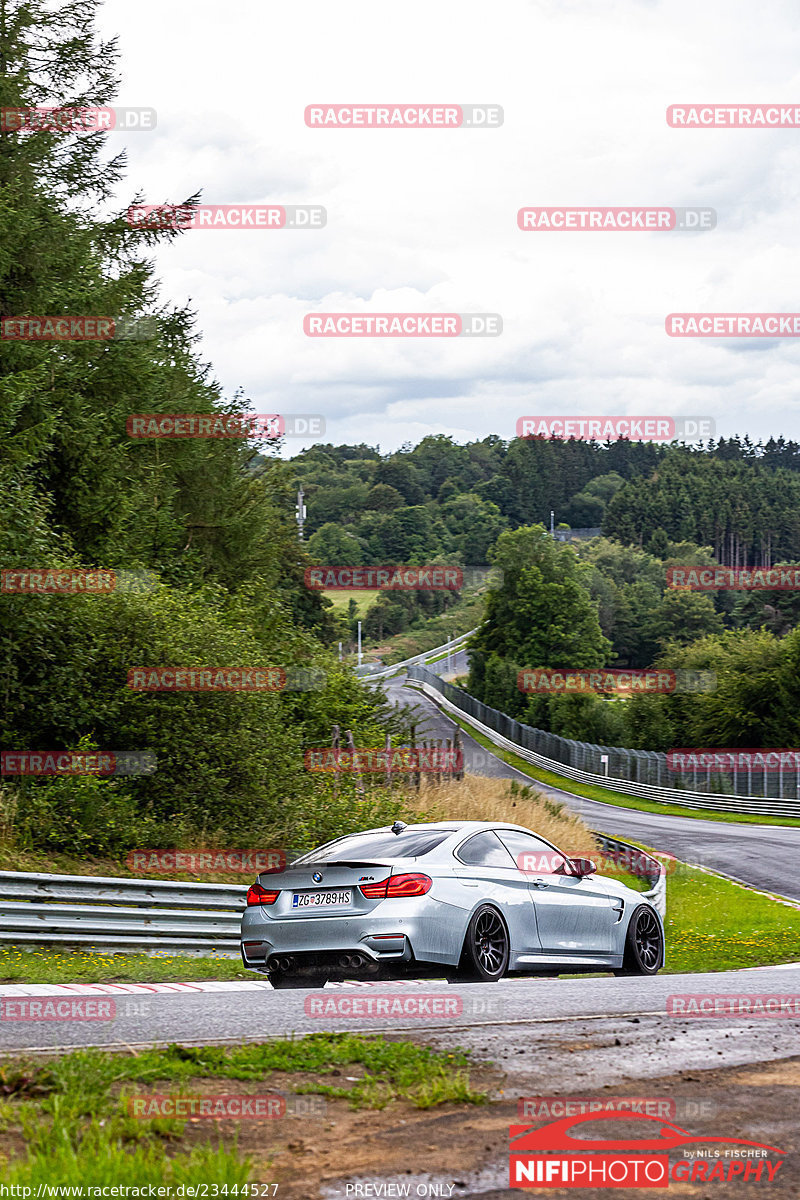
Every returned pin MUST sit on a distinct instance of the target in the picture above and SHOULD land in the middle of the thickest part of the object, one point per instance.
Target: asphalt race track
(502, 1015)
(763, 856)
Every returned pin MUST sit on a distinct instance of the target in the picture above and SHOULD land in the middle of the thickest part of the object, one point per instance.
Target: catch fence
(642, 773)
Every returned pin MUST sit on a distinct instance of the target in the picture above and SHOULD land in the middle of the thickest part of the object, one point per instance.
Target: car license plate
(320, 899)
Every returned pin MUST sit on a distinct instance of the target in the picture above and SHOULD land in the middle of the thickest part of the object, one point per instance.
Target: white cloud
(426, 220)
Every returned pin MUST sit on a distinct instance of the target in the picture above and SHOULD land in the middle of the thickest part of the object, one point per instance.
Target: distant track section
(496, 726)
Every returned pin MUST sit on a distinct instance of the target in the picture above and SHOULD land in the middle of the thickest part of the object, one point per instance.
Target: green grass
(87, 1080)
(427, 634)
(19, 965)
(606, 795)
(72, 1110)
(341, 600)
(464, 615)
(103, 1156)
(444, 654)
(715, 925)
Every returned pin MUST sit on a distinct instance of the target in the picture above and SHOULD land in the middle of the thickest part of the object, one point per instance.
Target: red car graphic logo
(557, 1135)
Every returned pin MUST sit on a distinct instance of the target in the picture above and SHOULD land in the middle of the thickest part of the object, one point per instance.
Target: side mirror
(583, 866)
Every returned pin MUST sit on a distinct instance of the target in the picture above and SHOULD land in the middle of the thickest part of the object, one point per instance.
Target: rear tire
(484, 957)
(644, 944)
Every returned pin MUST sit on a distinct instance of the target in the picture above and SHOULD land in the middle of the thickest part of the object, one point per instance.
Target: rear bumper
(402, 934)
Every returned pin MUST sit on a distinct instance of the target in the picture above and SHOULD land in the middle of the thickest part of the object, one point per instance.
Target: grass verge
(77, 1115)
(341, 600)
(465, 614)
(715, 925)
(18, 965)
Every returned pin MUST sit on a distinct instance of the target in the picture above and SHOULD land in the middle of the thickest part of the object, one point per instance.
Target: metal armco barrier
(147, 915)
(155, 917)
(529, 743)
(640, 863)
(456, 643)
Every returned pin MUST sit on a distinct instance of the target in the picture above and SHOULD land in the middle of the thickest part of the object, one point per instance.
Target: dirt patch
(401, 1142)
(461, 1150)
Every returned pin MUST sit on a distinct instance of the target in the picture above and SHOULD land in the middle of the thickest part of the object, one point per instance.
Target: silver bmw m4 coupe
(469, 900)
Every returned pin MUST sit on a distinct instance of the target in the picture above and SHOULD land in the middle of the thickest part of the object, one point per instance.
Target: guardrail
(453, 700)
(155, 916)
(640, 863)
(421, 659)
(152, 915)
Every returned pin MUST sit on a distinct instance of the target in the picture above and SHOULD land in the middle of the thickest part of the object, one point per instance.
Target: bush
(228, 764)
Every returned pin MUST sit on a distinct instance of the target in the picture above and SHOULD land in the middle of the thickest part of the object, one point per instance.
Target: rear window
(364, 846)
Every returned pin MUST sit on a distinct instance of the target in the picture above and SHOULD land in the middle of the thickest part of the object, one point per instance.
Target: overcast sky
(425, 220)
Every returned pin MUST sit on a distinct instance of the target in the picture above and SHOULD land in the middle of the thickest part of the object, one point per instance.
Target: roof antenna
(398, 827)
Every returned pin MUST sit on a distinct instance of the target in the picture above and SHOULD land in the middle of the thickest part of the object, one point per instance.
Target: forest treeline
(603, 603)
(443, 502)
(204, 525)
(439, 498)
(209, 524)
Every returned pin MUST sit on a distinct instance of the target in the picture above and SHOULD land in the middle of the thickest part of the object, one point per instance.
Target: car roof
(454, 834)
(449, 827)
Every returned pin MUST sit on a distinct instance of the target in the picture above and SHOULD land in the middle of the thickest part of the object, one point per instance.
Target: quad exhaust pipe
(345, 962)
(352, 962)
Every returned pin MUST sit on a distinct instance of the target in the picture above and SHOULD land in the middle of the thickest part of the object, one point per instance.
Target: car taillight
(397, 886)
(374, 891)
(256, 894)
(409, 885)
